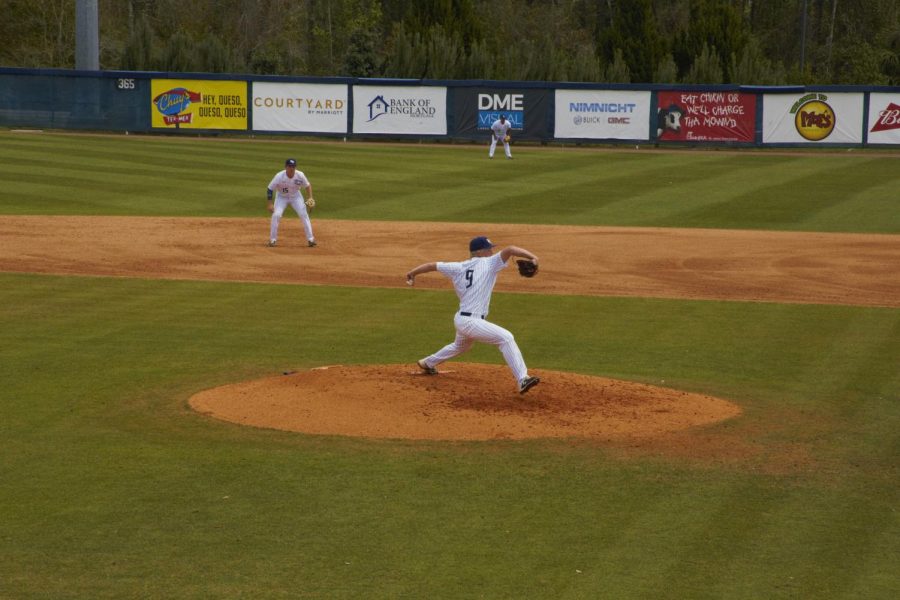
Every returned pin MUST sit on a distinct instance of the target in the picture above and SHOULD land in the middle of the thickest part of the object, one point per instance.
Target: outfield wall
(844, 116)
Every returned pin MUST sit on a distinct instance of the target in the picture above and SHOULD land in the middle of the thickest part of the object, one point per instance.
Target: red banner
(705, 116)
(188, 118)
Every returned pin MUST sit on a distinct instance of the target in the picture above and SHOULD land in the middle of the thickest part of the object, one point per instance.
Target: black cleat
(426, 369)
(528, 383)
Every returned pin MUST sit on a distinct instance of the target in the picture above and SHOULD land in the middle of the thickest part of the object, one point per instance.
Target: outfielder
(474, 281)
(500, 132)
(286, 185)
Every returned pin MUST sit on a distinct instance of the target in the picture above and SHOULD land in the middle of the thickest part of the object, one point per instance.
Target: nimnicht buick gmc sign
(602, 114)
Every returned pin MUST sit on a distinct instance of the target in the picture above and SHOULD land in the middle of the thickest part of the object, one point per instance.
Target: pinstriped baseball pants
(472, 329)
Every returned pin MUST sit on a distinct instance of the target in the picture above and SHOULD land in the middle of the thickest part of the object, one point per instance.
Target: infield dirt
(715, 264)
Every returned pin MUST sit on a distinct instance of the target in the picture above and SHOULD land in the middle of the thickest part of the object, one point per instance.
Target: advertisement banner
(312, 107)
(198, 104)
(884, 118)
(476, 109)
(705, 116)
(834, 118)
(400, 109)
(602, 114)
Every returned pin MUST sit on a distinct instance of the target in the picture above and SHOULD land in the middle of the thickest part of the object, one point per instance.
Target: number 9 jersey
(474, 281)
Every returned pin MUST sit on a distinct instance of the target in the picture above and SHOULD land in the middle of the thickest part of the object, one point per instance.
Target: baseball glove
(527, 268)
(310, 203)
(506, 139)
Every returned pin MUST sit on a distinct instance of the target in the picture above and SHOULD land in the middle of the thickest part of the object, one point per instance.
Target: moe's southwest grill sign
(814, 118)
(198, 104)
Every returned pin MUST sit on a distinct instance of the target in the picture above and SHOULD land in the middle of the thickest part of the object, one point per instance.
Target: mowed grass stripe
(737, 508)
(143, 175)
(775, 201)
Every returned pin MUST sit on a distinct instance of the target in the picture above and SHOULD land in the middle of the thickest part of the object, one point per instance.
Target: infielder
(286, 185)
(474, 281)
(500, 132)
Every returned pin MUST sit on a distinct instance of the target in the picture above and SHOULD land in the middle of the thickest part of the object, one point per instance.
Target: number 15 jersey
(288, 187)
(474, 281)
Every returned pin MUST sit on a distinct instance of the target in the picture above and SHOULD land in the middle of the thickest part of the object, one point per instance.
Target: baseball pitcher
(474, 280)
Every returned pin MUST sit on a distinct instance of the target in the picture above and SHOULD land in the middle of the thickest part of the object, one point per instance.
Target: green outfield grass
(114, 488)
(111, 487)
(141, 175)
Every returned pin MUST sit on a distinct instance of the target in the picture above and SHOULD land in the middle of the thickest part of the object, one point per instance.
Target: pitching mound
(464, 402)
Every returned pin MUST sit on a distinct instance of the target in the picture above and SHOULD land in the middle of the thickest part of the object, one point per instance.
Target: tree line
(764, 42)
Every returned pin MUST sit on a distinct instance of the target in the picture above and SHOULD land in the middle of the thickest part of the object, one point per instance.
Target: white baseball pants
(494, 147)
(472, 329)
(281, 203)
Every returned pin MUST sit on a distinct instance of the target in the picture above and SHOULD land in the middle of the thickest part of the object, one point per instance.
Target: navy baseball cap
(502, 116)
(290, 162)
(480, 243)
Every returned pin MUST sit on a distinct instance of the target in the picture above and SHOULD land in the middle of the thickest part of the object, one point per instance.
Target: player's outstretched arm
(423, 268)
(509, 251)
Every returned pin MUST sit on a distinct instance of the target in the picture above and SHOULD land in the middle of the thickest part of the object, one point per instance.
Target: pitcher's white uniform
(498, 132)
(287, 192)
(474, 281)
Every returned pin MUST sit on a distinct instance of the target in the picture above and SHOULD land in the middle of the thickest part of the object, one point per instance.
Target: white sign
(884, 118)
(314, 107)
(815, 117)
(400, 109)
(602, 114)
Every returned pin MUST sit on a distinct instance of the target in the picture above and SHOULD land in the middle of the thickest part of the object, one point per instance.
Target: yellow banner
(198, 104)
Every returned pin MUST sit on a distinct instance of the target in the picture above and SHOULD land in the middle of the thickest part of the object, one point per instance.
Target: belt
(466, 314)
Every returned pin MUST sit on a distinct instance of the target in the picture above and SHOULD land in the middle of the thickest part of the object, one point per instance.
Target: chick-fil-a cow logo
(173, 102)
(888, 119)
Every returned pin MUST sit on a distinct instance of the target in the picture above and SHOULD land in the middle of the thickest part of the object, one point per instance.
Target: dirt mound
(464, 402)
